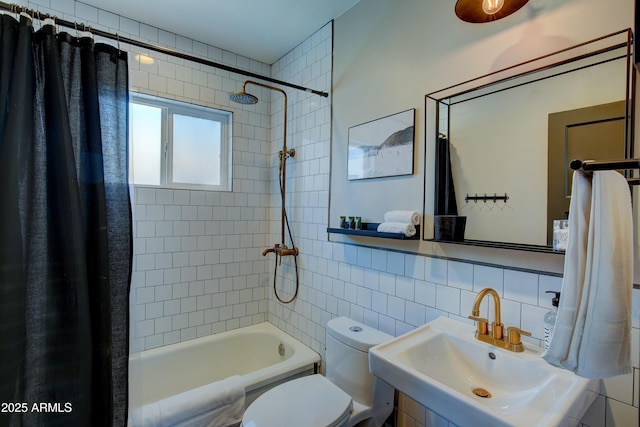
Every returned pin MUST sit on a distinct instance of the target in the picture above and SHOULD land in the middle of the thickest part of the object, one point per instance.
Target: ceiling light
(491, 7)
(479, 11)
(144, 59)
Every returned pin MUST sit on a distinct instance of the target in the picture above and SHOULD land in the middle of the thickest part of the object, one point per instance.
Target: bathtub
(261, 354)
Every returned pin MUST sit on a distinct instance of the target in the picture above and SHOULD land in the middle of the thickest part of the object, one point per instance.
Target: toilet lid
(311, 401)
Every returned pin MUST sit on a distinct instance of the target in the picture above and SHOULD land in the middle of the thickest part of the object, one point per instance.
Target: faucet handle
(514, 334)
(483, 324)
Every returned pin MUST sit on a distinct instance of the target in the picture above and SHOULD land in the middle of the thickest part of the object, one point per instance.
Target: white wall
(197, 265)
(387, 56)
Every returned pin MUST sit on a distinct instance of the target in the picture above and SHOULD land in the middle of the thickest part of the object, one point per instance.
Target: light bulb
(491, 7)
(144, 59)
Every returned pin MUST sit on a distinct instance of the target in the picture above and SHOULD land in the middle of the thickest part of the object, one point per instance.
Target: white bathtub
(252, 352)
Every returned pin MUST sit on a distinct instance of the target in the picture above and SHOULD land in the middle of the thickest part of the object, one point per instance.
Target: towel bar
(592, 165)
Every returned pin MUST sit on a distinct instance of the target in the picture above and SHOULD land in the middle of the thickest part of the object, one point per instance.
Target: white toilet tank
(347, 357)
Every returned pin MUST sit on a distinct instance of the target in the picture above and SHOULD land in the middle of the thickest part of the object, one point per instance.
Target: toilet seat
(311, 401)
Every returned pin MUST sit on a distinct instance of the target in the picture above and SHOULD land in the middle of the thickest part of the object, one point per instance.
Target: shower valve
(289, 153)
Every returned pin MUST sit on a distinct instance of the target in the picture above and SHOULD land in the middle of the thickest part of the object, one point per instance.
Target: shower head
(243, 98)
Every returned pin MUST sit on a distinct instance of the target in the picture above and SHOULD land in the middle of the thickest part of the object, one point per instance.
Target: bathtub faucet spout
(281, 250)
(268, 250)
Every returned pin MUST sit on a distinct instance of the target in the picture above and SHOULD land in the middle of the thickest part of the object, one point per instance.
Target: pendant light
(479, 11)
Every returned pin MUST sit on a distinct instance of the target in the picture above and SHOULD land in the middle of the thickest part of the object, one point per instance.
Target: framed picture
(382, 147)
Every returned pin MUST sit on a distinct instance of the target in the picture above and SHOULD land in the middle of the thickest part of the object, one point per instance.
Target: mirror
(510, 136)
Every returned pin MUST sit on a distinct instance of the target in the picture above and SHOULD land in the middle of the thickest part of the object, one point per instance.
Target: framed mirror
(504, 141)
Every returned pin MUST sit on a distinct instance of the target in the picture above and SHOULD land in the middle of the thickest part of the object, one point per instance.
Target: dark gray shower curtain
(65, 229)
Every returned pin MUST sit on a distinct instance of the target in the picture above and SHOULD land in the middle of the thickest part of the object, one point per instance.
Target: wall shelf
(502, 245)
(369, 229)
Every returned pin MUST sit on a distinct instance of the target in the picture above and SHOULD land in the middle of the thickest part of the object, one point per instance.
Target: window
(179, 145)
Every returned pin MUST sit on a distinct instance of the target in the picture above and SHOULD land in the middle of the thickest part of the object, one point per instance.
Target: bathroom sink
(445, 368)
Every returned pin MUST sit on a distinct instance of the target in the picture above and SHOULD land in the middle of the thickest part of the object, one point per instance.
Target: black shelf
(502, 245)
(370, 229)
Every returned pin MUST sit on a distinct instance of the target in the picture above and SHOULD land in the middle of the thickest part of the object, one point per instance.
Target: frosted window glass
(146, 135)
(196, 150)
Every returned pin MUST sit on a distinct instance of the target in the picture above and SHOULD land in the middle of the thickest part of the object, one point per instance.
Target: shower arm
(280, 249)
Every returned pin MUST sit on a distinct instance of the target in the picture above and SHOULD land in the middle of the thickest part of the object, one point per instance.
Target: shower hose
(293, 246)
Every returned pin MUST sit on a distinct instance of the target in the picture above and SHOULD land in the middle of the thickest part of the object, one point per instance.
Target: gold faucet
(495, 336)
(282, 250)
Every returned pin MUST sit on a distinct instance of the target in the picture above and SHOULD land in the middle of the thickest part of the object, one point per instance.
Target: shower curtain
(65, 229)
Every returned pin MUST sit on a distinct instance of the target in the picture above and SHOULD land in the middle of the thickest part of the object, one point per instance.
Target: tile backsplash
(194, 275)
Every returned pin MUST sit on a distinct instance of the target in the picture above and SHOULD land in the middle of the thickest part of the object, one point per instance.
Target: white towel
(407, 229)
(218, 404)
(592, 332)
(410, 217)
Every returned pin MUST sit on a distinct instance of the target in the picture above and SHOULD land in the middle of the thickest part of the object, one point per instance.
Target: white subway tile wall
(197, 263)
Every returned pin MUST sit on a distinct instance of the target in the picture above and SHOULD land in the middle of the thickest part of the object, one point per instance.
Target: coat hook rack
(484, 198)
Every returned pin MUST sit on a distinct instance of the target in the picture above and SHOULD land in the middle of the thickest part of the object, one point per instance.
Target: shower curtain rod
(14, 8)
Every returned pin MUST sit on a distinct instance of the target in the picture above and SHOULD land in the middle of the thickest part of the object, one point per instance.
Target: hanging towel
(410, 217)
(445, 197)
(592, 332)
(218, 404)
(407, 229)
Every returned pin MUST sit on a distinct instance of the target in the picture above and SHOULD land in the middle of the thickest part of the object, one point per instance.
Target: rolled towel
(407, 229)
(410, 217)
(220, 403)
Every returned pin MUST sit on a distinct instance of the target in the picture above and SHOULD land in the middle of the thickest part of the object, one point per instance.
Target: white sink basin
(445, 368)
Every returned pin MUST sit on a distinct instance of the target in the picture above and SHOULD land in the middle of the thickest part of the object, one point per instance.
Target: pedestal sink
(471, 383)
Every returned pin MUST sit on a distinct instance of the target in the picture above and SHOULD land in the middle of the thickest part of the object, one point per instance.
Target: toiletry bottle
(550, 319)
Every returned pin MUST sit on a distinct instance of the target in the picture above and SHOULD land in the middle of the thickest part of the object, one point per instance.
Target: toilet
(349, 395)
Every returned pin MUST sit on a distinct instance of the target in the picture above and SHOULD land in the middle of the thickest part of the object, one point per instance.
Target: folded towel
(410, 217)
(592, 332)
(218, 404)
(407, 229)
